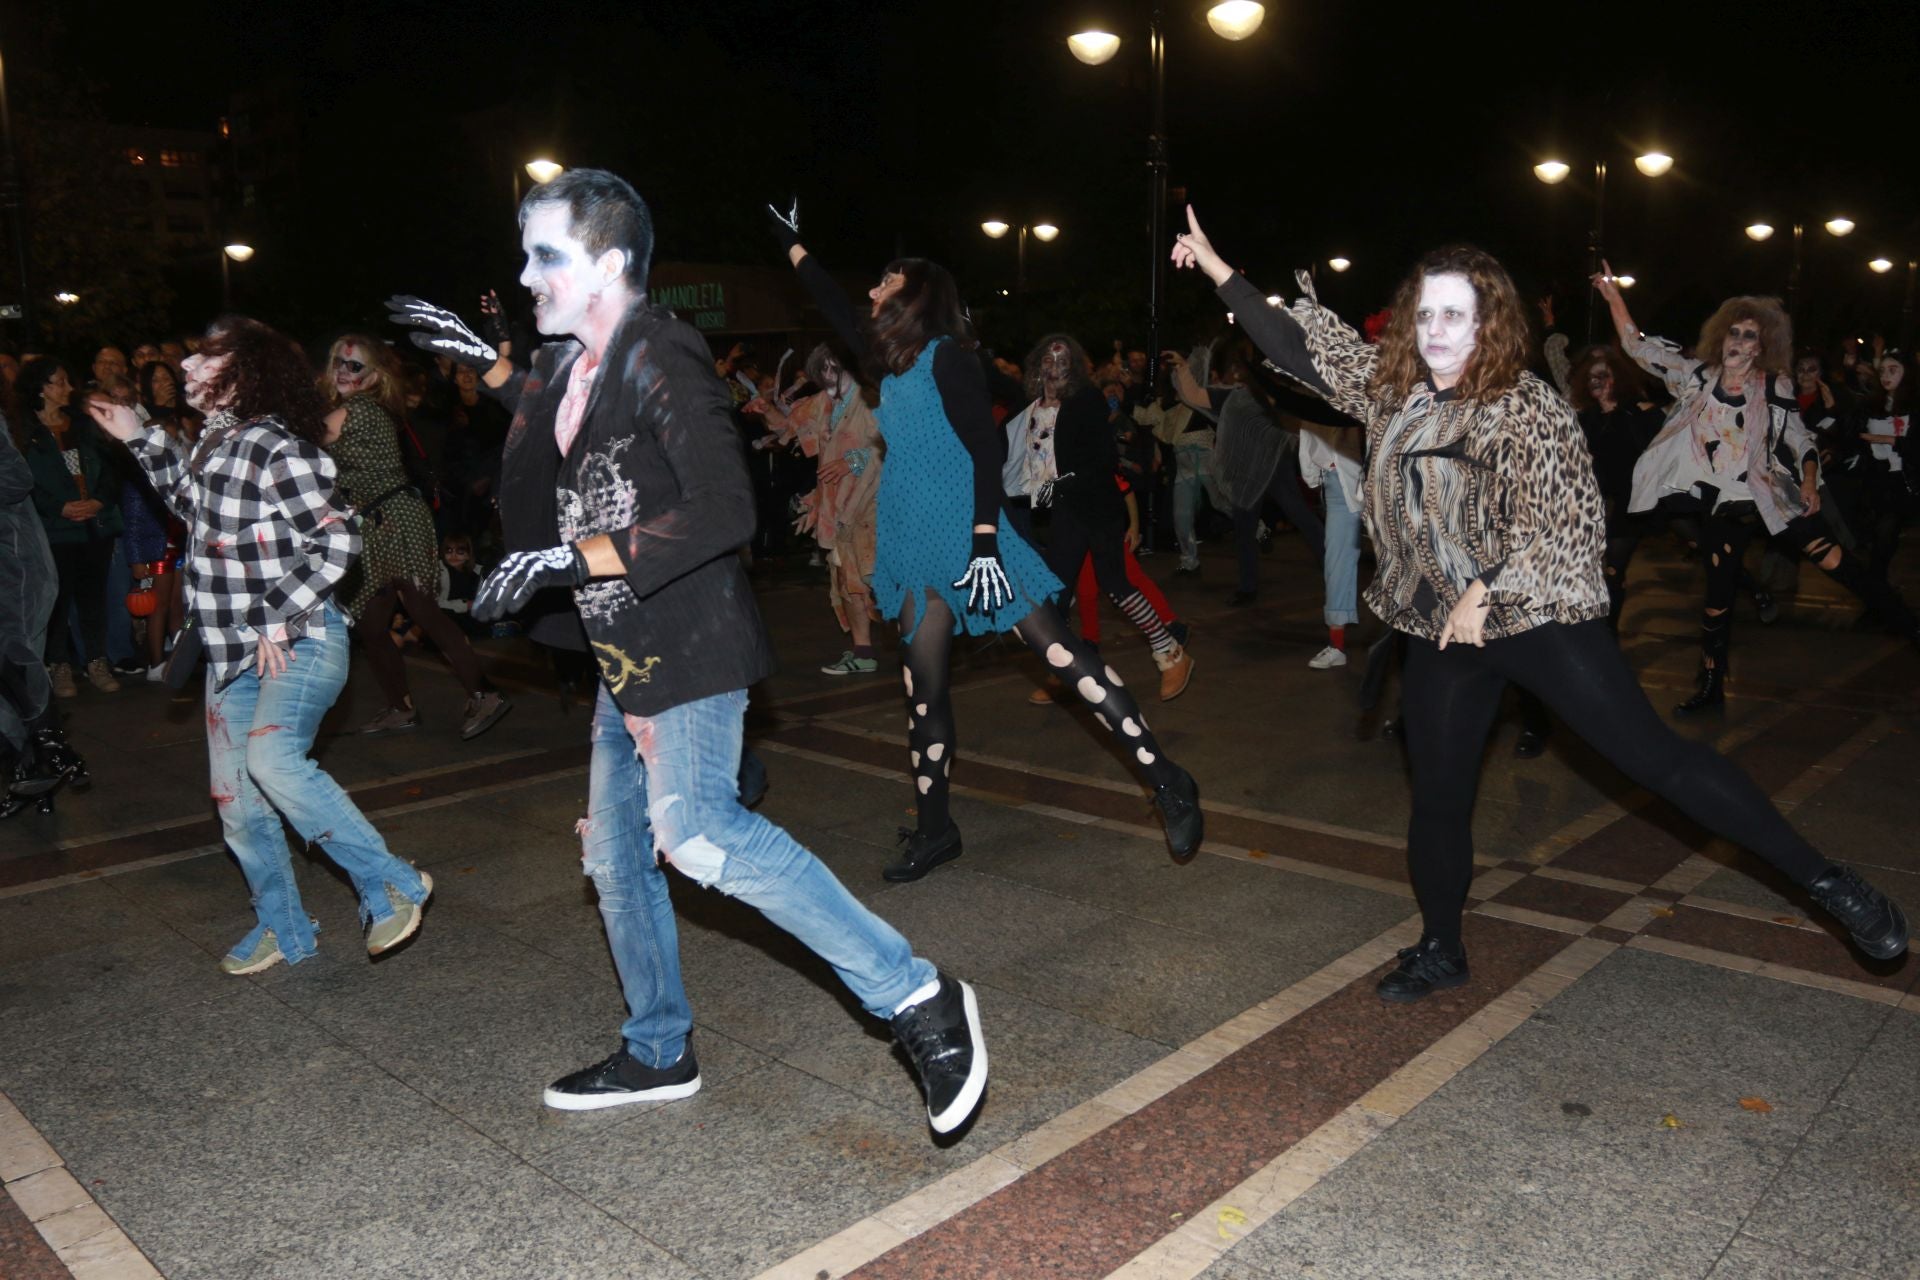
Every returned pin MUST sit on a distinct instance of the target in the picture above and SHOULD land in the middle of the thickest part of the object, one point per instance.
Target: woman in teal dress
(948, 562)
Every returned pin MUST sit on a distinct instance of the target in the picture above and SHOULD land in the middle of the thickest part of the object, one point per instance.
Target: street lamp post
(1553, 172)
(1230, 20)
(236, 252)
(1044, 232)
(1837, 226)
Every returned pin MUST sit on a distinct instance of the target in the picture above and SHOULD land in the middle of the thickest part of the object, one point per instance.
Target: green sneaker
(849, 665)
(265, 954)
(387, 934)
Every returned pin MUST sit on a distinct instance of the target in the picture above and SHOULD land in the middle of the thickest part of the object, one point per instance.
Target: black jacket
(656, 465)
(1086, 457)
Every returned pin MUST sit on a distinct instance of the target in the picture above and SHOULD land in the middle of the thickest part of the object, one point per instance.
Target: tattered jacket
(657, 466)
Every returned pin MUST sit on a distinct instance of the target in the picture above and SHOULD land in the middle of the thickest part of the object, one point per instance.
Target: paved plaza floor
(1663, 1067)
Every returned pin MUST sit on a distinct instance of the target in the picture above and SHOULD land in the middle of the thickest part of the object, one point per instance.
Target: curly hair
(1079, 366)
(926, 307)
(1500, 354)
(1627, 386)
(387, 390)
(1776, 333)
(263, 375)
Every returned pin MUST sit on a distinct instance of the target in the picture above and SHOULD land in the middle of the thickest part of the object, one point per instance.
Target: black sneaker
(923, 853)
(1876, 922)
(1179, 805)
(1530, 744)
(1423, 970)
(942, 1036)
(621, 1079)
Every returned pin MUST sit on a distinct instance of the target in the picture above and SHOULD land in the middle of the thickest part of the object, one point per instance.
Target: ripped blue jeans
(665, 790)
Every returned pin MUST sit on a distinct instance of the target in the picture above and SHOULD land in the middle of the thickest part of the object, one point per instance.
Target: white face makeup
(1892, 374)
(1446, 326)
(351, 373)
(560, 273)
(200, 371)
(1741, 347)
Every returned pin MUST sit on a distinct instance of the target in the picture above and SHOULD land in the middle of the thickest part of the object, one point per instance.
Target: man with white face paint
(622, 480)
(1490, 533)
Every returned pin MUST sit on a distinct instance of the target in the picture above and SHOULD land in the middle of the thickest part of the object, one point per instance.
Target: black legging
(1723, 540)
(1070, 541)
(1451, 699)
(930, 727)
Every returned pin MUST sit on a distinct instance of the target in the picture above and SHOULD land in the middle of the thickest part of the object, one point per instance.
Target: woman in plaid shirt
(267, 547)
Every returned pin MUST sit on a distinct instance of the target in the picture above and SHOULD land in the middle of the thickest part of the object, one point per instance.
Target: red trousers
(1087, 592)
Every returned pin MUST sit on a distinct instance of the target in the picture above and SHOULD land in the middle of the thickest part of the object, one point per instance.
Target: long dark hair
(265, 375)
(29, 391)
(1079, 366)
(926, 307)
(1881, 403)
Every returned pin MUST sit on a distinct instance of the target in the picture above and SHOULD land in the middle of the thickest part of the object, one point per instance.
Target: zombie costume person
(623, 482)
(399, 564)
(267, 545)
(1487, 521)
(1604, 390)
(1075, 478)
(949, 561)
(1735, 450)
(836, 427)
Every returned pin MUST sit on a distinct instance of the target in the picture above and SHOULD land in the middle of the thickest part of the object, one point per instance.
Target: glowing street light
(1045, 232)
(1625, 282)
(238, 252)
(1552, 172)
(1839, 225)
(1275, 300)
(1339, 264)
(1653, 163)
(1094, 47)
(1758, 231)
(1880, 266)
(66, 299)
(995, 228)
(544, 171)
(1236, 19)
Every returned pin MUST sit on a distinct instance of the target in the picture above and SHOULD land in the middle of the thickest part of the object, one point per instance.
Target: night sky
(1375, 131)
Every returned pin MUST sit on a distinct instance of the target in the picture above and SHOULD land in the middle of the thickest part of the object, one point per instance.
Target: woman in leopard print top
(1490, 532)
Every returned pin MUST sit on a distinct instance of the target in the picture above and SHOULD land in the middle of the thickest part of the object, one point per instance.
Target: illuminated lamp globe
(238, 252)
(995, 228)
(1094, 47)
(1759, 231)
(1045, 231)
(1236, 19)
(1880, 266)
(1839, 226)
(1274, 300)
(1654, 163)
(1552, 172)
(1625, 282)
(66, 299)
(1339, 264)
(544, 171)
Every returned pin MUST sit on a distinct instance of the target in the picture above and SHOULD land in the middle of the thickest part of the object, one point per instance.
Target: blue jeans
(669, 782)
(258, 735)
(1341, 566)
(1190, 479)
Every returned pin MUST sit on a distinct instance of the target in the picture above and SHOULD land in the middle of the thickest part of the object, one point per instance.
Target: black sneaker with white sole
(1876, 922)
(623, 1078)
(942, 1035)
(1423, 970)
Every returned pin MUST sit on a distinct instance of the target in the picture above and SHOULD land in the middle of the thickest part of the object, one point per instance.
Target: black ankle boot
(922, 853)
(35, 777)
(1711, 692)
(51, 746)
(1423, 970)
(1876, 922)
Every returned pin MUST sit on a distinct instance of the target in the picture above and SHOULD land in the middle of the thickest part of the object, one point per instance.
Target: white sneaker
(1327, 657)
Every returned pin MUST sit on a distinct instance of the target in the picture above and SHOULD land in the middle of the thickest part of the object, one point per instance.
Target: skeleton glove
(523, 574)
(785, 226)
(441, 332)
(493, 320)
(985, 582)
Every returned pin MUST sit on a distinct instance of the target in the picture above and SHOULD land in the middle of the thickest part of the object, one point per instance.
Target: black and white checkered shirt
(266, 542)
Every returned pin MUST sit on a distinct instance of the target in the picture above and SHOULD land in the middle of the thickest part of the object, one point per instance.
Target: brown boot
(1176, 669)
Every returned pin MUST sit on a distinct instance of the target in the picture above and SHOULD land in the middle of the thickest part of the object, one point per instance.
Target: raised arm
(825, 291)
(1657, 356)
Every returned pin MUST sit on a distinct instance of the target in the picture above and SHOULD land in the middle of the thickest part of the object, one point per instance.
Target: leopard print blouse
(1503, 491)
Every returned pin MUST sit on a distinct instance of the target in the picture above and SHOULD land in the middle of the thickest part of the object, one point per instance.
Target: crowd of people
(619, 480)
